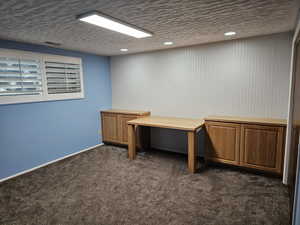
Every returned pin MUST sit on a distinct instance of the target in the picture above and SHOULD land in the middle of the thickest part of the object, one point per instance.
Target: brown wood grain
(122, 127)
(128, 112)
(223, 142)
(192, 151)
(109, 127)
(114, 125)
(247, 120)
(186, 124)
(131, 141)
(262, 147)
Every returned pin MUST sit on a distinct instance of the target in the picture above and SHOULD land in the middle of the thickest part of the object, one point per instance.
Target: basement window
(33, 77)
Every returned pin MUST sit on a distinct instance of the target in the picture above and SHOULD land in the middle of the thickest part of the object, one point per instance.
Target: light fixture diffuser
(124, 49)
(230, 33)
(106, 22)
(168, 43)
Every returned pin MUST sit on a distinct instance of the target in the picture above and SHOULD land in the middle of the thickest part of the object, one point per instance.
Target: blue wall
(35, 133)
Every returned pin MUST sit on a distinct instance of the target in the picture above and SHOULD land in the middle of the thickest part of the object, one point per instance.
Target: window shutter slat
(20, 76)
(62, 77)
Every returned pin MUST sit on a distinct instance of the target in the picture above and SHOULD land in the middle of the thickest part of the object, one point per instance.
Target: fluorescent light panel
(168, 43)
(111, 24)
(230, 33)
(124, 49)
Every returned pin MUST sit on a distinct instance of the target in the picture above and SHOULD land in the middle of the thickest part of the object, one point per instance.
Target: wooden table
(190, 126)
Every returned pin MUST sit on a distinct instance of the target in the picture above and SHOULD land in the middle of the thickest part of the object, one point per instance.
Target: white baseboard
(48, 163)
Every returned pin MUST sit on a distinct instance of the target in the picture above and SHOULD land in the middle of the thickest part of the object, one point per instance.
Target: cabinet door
(122, 127)
(262, 147)
(223, 142)
(109, 127)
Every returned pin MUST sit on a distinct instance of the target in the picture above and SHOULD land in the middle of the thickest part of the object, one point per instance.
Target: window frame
(44, 96)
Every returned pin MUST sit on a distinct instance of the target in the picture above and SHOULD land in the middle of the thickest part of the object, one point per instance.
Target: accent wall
(32, 134)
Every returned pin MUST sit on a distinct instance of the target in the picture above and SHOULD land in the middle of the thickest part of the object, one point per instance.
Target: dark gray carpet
(102, 186)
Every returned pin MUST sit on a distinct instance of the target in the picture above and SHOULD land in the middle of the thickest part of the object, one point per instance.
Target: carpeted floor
(102, 186)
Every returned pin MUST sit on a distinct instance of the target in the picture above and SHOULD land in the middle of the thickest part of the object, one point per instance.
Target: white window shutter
(62, 77)
(20, 76)
(34, 77)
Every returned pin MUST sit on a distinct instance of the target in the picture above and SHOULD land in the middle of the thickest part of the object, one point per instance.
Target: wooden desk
(189, 125)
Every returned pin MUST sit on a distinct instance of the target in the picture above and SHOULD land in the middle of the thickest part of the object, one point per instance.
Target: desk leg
(192, 150)
(131, 141)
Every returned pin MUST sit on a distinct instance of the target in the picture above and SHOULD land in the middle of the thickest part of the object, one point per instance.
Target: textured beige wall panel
(246, 77)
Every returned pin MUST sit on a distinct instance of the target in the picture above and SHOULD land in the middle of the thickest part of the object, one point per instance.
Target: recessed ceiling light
(168, 43)
(113, 24)
(230, 33)
(124, 50)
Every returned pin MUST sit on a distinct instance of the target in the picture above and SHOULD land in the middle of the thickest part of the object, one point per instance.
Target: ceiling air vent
(52, 43)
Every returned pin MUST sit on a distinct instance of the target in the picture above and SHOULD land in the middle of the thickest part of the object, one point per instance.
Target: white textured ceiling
(185, 22)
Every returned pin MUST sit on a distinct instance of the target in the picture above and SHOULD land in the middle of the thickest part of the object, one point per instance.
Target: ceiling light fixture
(124, 50)
(168, 43)
(230, 33)
(113, 24)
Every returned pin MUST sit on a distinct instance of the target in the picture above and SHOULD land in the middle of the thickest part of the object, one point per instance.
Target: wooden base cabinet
(223, 142)
(123, 129)
(114, 126)
(252, 145)
(262, 147)
(110, 127)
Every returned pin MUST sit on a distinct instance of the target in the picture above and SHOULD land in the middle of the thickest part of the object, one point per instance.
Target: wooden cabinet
(223, 142)
(122, 128)
(114, 125)
(262, 147)
(109, 127)
(251, 143)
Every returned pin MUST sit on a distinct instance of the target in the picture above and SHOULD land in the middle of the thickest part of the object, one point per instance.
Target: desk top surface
(124, 111)
(267, 121)
(168, 122)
